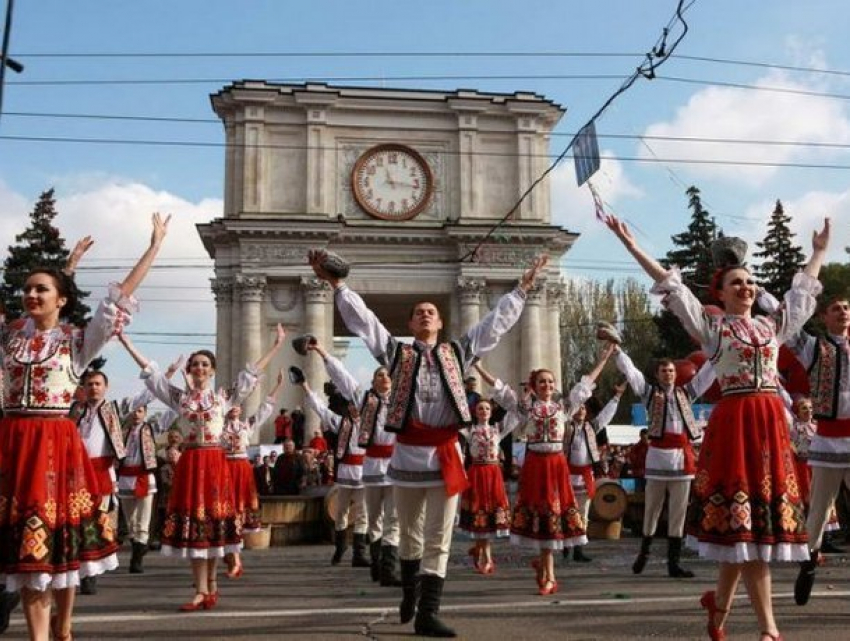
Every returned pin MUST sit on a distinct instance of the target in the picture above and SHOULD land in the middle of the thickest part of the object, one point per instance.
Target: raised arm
(141, 268)
(82, 246)
(634, 376)
(606, 414)
(820, 244)
(485, 375)
(280, 337)
(340, 377)
(137, 356)
(651, 266)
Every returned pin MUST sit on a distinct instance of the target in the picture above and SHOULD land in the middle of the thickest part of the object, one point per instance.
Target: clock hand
(389, 178)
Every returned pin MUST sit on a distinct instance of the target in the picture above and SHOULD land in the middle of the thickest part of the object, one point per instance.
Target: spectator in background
(282, 427)
(264, 477)
(312, 470)
(288, 471)
(470, 384)
(273, 457)
(298, 427)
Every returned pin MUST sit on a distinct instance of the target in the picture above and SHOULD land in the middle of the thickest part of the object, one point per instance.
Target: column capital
(534, 296)
(470, 289)
(251, 288)
(316, 290)
(222, 289)
(555, 294)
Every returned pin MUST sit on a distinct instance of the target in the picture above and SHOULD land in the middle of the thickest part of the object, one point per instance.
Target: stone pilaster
(318, 296)
(223, 291)
(530, 332)
(554, 300)
(252, 291)
(469, 291)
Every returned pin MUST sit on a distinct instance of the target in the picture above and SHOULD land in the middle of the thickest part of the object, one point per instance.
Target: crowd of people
(419, 450)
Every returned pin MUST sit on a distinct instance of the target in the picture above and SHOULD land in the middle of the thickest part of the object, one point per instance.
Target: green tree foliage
(39, 245)
(627, 305)
(781, 258)
(692, 255)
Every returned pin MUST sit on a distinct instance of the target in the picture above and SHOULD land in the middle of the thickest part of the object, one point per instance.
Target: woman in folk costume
(485, 512)
(746, 508)
(372, 406)
(201, 522)
(546, 516)
(236, 437)
(52, 533)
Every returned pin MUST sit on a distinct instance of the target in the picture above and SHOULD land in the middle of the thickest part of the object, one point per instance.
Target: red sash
(587, 473)
(679, 442)
(142, 486)
(445, 440)
(379, 451)
(352, 459)
(102, 465)
(836, 428)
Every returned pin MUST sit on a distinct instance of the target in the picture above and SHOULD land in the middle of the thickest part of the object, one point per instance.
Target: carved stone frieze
(272, 254)
(316, 290)
(502, 255)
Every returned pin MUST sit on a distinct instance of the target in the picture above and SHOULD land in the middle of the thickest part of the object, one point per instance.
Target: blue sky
(109, 190)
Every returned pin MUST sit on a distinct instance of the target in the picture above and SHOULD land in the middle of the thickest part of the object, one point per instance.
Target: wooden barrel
(610, 501)
(259, 539)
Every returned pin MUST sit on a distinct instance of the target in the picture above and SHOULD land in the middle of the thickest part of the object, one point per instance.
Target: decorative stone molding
(272, 254)
(251, 288)
(284, 298)
(470, 290)
(535, 295)
(502, 255)
(555, 294)
(316, 290)
(222, 289)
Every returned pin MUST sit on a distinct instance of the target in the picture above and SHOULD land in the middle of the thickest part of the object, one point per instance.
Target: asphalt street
(294, 592)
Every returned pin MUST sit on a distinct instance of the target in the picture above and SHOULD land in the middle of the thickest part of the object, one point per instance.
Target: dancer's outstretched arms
(280, 337)
(651, 266)
(142, 267)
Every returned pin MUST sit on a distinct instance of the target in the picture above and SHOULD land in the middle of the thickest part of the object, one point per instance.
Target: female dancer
(484, 507)
(201, 522)
(546, 515)
(235, 438)
(746, 508)
(52, 533)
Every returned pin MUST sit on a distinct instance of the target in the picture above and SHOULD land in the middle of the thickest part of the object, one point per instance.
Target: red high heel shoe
(548, 587)
(210, 600)
(194, 605)
(235, 572)
(708, 602)
(489, 567)
(778, 637)
(473, 554)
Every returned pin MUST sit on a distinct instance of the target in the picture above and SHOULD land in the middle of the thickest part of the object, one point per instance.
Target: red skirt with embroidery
(201, 521)
(484, 506)
(50, 518)
(746, 502)
(245, 498)
(546, 514)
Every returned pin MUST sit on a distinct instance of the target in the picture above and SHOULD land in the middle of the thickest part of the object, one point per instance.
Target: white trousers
(826, 483)
(355, 499)
(383, 518)
(138, 515)
(654, 495)
(426, 518)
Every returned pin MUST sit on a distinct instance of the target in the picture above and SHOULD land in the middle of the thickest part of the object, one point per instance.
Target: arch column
(317, 298)
(252, 290)
(554, 300)
(222, 289)
(530, 332)
(469, 292)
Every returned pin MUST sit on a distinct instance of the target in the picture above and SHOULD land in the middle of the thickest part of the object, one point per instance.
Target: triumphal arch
(401, 183)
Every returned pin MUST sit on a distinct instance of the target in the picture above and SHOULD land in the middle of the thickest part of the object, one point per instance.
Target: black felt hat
(296, 375)
(300, 344)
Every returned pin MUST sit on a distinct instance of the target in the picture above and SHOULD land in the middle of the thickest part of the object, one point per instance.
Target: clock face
(392, 182)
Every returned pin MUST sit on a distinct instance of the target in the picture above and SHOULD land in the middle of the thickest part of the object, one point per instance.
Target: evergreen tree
(781, 257)
(40, 245)
(692, 255)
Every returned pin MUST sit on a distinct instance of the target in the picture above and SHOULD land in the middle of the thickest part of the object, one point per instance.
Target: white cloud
(759, 115)
(572, 206)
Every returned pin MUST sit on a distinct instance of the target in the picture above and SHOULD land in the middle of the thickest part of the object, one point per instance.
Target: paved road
(293, 592)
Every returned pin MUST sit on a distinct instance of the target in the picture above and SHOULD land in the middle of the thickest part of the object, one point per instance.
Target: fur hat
(300, 344)
(335, 265)
(728, 251)
(607, 332)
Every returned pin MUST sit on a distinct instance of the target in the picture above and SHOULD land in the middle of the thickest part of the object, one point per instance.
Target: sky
(121, 136)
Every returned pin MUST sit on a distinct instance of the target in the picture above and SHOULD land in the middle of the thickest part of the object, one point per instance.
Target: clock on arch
(392, 182)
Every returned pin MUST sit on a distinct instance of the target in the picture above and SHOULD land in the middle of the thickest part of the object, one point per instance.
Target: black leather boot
(8, 602)
(375, 556)
(643, 555)
(88, 585)
(358, 558)
(389, 562)
(409, 589)
(674, 553)
(427, 624)
(579, 556)
(139, 551)
(806, 579)
(340, 546)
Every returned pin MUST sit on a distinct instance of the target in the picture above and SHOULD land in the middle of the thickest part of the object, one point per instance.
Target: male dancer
(380, 505)
(427, 407)
(670, 459)
(827, 359)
